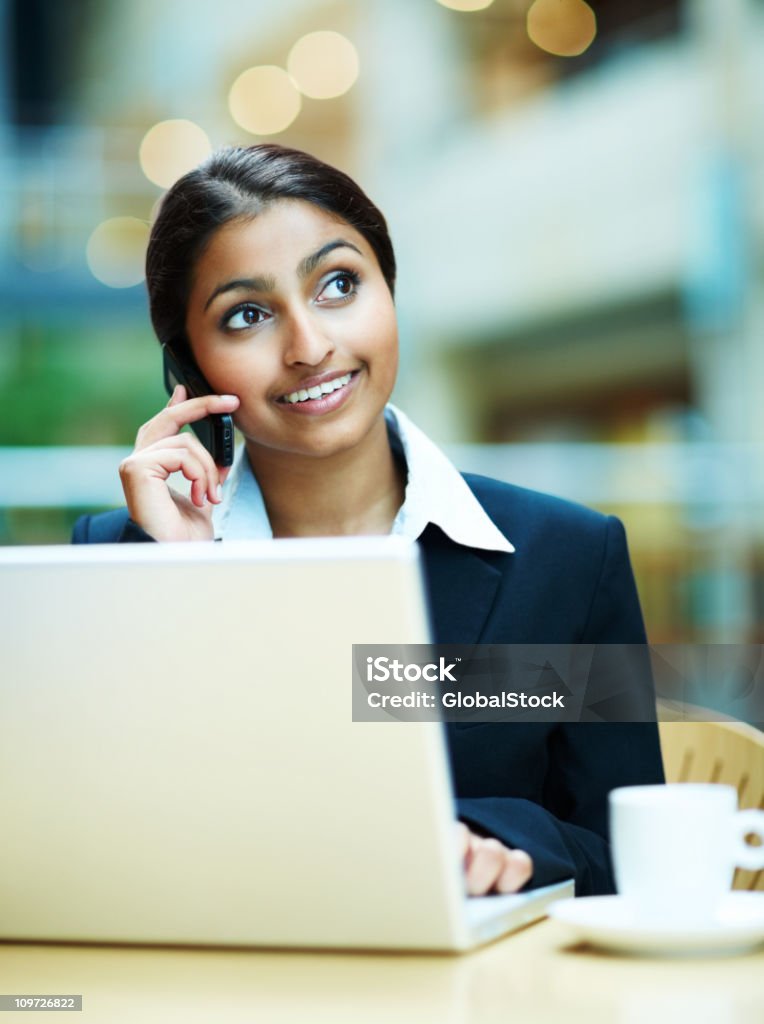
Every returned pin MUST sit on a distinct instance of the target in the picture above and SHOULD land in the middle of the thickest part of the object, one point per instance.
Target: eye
(343, 285)
(242, 317)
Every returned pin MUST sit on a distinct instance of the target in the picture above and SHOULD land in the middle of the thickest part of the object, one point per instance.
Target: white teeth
(317, 392)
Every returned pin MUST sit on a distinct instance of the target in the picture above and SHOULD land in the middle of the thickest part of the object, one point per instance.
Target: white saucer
(609, 922)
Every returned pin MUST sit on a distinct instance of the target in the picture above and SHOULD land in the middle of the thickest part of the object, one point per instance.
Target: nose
(306, 343)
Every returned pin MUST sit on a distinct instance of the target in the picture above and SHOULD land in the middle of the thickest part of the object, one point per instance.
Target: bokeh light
(116, 251)
(323, 64)
(172, 148)
(466, 5)
(264, 100)
(565, 28)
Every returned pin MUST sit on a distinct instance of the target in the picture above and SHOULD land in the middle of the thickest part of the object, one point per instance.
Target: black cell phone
(214, 431)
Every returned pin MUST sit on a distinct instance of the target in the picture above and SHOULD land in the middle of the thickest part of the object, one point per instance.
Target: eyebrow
(267, 283)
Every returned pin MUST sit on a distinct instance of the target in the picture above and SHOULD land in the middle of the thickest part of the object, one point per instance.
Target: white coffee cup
(675, 848)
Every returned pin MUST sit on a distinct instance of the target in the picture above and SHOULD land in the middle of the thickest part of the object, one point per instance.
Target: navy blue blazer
(535, 786)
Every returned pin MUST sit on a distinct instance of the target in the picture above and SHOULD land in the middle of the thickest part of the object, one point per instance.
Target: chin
(316, 447)
(327, 447)
(318, 439)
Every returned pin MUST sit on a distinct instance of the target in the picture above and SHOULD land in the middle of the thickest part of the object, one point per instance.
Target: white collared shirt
(435, 493)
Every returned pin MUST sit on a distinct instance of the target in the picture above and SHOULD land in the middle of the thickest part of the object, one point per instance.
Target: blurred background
(576, 196)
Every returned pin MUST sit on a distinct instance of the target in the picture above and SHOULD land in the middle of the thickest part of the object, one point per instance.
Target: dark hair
(240, 182)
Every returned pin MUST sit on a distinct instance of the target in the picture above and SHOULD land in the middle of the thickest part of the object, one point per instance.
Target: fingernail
(230, 398)
(219, 492)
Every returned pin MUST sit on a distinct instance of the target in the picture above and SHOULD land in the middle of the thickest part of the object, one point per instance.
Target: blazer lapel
(462, 587)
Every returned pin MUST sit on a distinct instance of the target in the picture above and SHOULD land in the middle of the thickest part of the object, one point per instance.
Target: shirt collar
(435, 493)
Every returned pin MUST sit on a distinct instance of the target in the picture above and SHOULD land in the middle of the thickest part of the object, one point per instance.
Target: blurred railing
(60, 477)
(692, 512)
(699, 475)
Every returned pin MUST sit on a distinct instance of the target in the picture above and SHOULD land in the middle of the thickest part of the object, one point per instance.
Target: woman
(275, 274)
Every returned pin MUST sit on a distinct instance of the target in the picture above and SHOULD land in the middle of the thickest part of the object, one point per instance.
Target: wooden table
(536, 975)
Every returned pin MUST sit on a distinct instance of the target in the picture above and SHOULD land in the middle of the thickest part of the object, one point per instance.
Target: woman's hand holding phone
(161, 450)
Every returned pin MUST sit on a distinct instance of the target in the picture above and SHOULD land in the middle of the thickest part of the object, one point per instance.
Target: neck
(351, 493)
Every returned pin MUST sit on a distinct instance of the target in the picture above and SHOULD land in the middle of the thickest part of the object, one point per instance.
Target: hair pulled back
(239, 182)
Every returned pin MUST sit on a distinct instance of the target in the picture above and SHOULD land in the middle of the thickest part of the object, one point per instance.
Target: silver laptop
(179, 762)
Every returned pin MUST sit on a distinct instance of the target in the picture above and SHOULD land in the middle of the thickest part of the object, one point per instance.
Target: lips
(327, 387)
(314, 388)
(320, 398)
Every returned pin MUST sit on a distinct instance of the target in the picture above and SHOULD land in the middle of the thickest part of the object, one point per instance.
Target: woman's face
(290, 312)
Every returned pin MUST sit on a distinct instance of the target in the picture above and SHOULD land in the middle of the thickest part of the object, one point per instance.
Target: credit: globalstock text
(507, 699)
(556, 683)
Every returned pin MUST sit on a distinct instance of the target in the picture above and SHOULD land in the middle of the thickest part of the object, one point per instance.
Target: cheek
(232, 369)
(382, 330)
(388, 348)
(389, 361)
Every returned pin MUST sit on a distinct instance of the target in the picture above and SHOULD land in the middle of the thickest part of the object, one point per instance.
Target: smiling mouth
(317, 391)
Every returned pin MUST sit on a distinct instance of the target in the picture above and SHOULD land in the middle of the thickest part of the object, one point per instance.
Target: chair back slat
(724, 752)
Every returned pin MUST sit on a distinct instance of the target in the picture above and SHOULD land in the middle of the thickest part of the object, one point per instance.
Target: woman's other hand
(161, 450)
(489, 866)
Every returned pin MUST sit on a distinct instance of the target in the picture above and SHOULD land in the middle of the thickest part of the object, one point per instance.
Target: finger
(188, 509)
(462, 840)
(192, 443)
(518, 870)
(177, 414)
(223, 474)
(178, 395)
(193, 469)
(485, 866)
(215, 475)
(160, 463)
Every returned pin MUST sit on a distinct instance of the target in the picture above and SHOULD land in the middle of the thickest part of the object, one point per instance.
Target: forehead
(276, 237)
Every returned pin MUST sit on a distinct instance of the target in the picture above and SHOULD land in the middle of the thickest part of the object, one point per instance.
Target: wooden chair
(728, 752)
